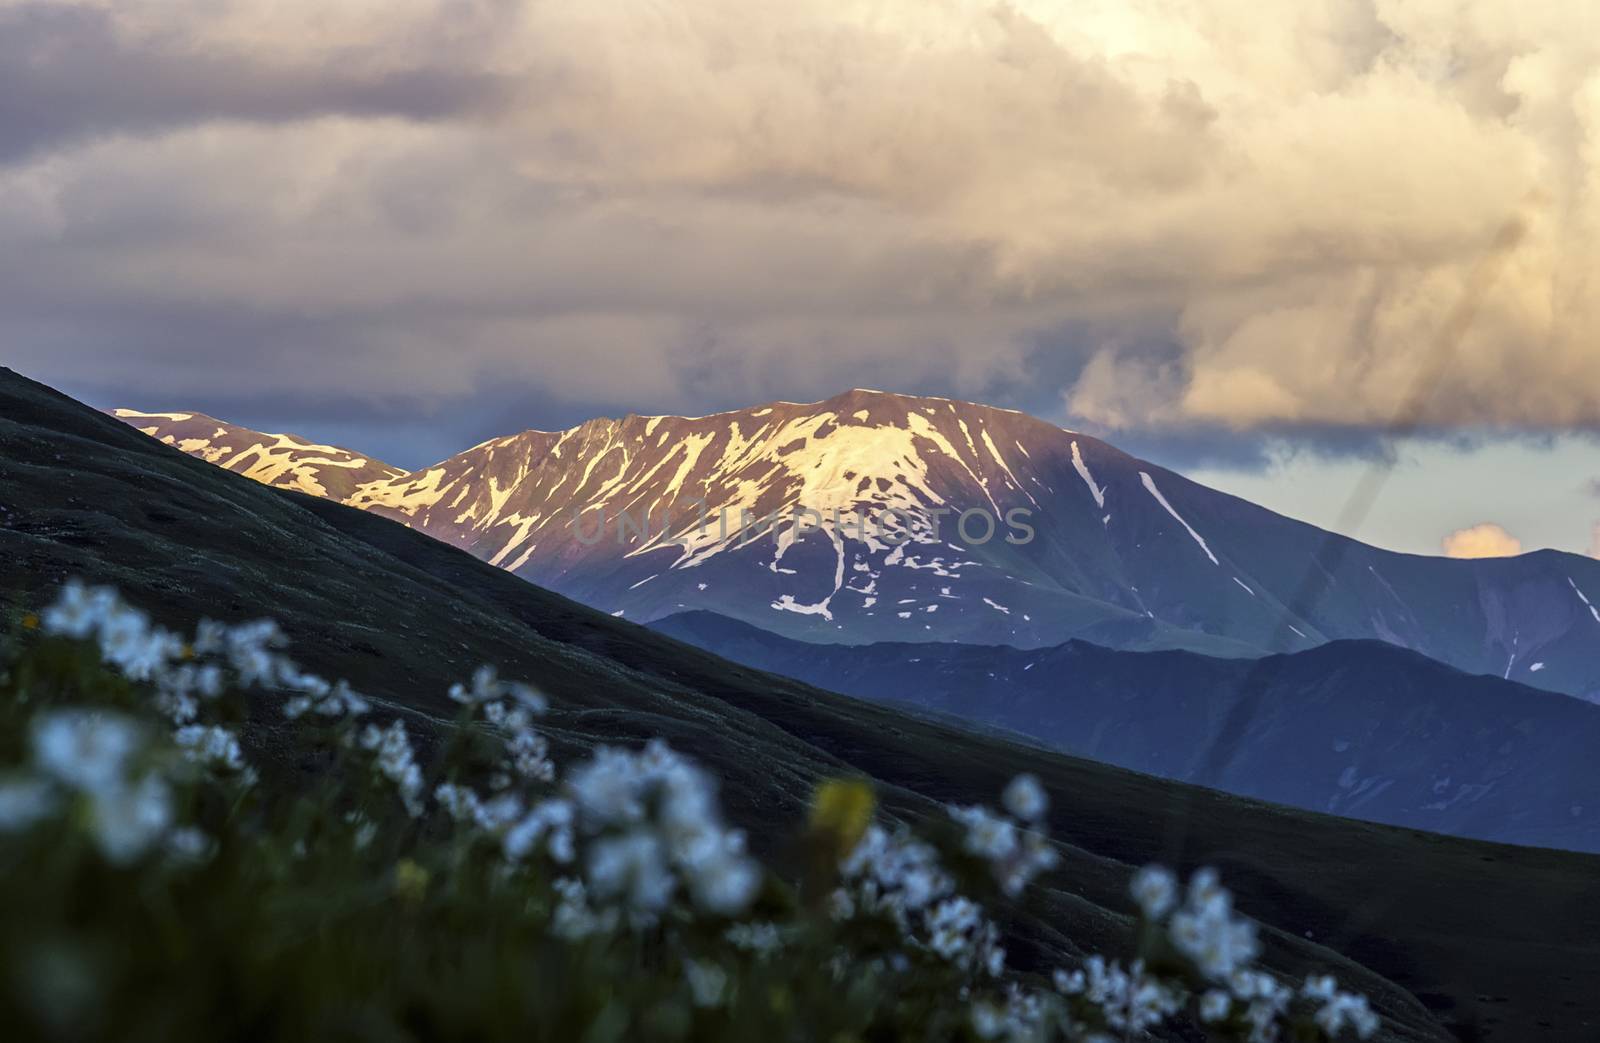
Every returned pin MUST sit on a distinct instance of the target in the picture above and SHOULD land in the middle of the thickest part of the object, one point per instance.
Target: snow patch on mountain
(1593, 611)
(134, 414)
(1150, 484)
(1096, 491)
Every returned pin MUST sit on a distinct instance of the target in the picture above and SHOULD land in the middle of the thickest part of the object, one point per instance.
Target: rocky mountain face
(1355, 728)
(881, 517)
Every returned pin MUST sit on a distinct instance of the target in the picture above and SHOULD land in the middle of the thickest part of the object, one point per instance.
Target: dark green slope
(1505, 938)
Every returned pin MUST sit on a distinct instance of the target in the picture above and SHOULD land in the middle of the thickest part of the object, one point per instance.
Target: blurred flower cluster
(617, 885)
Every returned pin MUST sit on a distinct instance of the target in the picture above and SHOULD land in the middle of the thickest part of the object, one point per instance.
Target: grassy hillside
(1494, 942)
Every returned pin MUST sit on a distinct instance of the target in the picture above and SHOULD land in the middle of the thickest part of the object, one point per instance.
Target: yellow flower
(841, 809)
(30, 621)
(410, 880)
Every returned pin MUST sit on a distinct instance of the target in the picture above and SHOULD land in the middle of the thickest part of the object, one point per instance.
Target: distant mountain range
(1355, 728)
(1123, 553)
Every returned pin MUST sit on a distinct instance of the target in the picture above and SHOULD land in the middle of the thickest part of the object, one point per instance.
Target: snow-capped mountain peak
(861, 455)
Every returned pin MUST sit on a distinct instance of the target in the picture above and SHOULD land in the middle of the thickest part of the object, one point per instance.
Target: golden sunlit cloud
(1482, 541)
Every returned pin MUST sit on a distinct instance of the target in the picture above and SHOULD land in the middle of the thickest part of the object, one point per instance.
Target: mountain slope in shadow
(1355, 728)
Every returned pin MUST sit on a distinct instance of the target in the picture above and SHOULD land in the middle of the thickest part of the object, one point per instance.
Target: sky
(1269, 245)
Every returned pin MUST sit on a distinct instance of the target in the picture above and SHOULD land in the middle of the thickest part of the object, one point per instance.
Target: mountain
(1122, 553)
(1355, 728)
(286, 461)
(1495, 942)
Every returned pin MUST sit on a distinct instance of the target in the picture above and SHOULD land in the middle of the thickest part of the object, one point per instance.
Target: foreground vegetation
(155, 884)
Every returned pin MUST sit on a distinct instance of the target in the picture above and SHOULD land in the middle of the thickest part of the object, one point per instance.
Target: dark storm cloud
(66, 74)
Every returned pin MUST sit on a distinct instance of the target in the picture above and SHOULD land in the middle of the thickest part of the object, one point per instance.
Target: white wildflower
(1025, 798)
(187, 846)
(1206, 931)
(607, 788)
(764, 938)
(1215, 1006)
(988, 1020)
(989, 836)
(210, 638)
(459, 802)
(1155, 888)
(725, 885)
(210, 744)
(657, 794)
(139, 650)
(530, 755)
(991, 957)
(1344, 1009)
(126, 637)
(1035, 855)
(1264, 1016)
(951, 926)
(497, 813)
(527, 751)
(179, 707)
(484, 687)
(396, 762)
(573, 917)
(632, 867)
(127, 820)
(249, 650)
(707, 982)
(549, 821)
(903, 872)
(89, 750)
(1319, 987)
(1251, 984)
(487, 687)
(365, 830)
(1130, 999)
(1020, 1019)
(1015, 854)
(319, 697)
(78, 610)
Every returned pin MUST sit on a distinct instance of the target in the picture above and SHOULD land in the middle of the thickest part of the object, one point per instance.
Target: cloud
(1594, 543)
(1345, 215)
(69, 73)
(1482, 541)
